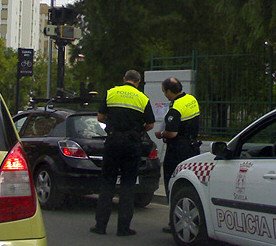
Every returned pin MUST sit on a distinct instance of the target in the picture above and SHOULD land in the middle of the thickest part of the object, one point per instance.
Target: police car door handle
(270, 175)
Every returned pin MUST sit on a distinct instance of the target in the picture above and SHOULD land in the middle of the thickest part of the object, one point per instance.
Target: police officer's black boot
(98, 230)
(128, 232)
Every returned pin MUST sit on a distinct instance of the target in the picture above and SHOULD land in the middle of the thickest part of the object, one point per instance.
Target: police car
(229, 194)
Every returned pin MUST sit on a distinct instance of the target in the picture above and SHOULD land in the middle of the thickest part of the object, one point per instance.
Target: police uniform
(127, 111)
(182, 117)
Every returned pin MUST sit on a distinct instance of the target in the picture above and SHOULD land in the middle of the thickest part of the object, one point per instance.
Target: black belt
(127, 132)
(185, 139)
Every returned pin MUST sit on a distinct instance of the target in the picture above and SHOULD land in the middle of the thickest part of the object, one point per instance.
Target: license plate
(119, 180)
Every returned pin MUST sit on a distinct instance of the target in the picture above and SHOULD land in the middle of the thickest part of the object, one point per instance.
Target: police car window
(262, 144)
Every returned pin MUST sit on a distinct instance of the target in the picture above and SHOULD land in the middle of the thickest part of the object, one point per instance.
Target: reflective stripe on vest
(127, 96)
(187, 106)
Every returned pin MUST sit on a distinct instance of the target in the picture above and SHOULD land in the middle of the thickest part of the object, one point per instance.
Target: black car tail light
(70, 148)
(17, 192)
(153, 154)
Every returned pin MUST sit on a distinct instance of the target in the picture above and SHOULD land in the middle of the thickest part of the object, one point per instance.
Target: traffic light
(61, 16)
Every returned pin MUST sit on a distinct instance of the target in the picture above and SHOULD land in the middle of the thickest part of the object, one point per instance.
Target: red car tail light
(17, 192)
(153, 154)
(70, 148)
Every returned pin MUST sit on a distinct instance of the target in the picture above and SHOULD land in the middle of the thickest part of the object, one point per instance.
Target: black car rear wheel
(187, 218)
(143, 199)
(46, 189)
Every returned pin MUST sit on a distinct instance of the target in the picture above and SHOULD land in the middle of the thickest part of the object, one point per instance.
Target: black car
(65, 150)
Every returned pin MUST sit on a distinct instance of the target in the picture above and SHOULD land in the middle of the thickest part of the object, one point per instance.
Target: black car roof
(63, 112)
(63, 106)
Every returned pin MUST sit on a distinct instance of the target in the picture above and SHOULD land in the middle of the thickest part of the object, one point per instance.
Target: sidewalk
(160, 194)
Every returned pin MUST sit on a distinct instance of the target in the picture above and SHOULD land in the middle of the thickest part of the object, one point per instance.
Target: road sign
(25, 62)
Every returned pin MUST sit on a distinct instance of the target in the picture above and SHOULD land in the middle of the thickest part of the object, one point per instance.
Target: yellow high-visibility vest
(187, 106)
(127, 96)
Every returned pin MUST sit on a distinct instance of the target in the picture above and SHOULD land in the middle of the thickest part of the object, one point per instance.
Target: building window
(5, 2)
(4, 14)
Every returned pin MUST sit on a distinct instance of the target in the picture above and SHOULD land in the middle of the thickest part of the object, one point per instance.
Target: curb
(159, 199)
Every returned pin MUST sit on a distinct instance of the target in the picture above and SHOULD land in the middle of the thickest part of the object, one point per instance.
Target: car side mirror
(220, 150)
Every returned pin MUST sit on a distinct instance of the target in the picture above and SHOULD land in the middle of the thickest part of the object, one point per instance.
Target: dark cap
(132, 75)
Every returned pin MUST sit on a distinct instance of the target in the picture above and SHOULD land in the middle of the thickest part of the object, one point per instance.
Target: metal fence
(233, 90)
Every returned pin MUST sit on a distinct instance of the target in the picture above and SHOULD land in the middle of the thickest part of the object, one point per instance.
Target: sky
(57, 2)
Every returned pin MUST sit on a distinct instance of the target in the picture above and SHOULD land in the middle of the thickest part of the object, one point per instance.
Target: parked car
(65, 149)
(228, 194)
(21, 221)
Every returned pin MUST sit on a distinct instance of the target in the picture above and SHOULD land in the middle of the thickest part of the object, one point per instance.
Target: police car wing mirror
(220, 150)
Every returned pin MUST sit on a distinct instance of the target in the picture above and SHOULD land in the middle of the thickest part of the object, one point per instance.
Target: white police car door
(243, 190)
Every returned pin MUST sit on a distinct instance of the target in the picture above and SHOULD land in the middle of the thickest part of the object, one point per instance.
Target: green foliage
(125, 34)
(119, 35)
(248, 24)
(36, 84)
(8, 65)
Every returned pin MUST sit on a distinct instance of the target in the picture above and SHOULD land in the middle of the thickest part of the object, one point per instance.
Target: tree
(249, 23)
(119, 35)
(8, 65)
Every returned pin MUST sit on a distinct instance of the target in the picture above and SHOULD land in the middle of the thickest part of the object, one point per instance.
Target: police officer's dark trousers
(178, 149)
(121, 156)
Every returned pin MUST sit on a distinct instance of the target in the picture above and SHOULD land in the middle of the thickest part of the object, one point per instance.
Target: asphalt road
(70, 226)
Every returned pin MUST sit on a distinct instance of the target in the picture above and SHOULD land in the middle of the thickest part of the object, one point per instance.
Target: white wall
(160, 104)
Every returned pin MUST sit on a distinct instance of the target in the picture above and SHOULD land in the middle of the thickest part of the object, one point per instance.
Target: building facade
(43, 40)
(22, 24)
(19, 23)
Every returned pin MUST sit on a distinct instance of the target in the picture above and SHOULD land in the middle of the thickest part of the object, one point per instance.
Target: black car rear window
(42, 125)
(84, 126)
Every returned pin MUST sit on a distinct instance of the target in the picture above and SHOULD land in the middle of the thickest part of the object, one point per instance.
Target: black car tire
(141, 200)
(47, 192)
(187, 216)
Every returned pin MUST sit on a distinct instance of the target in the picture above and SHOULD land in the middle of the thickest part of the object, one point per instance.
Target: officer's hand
(158, 135)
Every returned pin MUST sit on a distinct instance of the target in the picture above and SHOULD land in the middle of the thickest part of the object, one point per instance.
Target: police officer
(181, 129)
(127, 112)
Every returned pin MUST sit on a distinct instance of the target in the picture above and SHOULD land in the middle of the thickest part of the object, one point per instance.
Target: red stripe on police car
(201, 170)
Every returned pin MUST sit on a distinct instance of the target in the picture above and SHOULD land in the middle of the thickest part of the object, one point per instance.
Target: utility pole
(50, 57)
